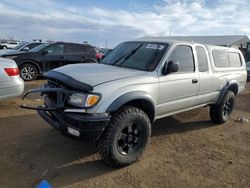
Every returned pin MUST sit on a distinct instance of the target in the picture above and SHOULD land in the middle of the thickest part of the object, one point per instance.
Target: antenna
(170, 31)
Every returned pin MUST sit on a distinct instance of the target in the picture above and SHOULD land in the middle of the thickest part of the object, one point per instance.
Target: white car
(11, 85)
(9, 45)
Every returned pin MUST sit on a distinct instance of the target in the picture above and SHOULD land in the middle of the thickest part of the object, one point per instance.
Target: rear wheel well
(144, 105)
(233, 88)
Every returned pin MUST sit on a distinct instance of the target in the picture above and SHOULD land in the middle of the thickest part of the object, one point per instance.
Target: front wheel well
(144, 105)
(31, 63)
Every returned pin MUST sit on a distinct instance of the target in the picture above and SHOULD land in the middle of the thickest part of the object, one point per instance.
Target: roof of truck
(168, 40)
(224, 40)
(162, 40)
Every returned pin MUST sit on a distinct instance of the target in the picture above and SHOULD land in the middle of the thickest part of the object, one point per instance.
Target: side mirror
(170, 67)
(25, 49)
(45, 52)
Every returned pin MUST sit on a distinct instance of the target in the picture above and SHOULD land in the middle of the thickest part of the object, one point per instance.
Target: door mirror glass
(170, 67)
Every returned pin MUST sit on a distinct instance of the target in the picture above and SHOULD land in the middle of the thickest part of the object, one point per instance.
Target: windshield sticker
(155, 46)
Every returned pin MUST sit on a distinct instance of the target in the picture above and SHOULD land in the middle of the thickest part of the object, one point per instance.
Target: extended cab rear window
(223, 58)
(202, 59)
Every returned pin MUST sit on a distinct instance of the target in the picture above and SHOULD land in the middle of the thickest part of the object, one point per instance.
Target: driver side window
(183, 55)
(56, 49)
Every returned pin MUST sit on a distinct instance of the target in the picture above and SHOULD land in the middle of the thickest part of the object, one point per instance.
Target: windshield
(18, 47)
(136, 55)
(38, 48)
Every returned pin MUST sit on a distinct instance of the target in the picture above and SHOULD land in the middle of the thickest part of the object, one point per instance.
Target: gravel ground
(186, 150)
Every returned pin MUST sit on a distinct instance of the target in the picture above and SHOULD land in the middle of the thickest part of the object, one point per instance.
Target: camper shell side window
(224, 58)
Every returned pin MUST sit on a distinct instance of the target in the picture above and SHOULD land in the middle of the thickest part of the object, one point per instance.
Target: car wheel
(28, 72)
(125, 138)
(221, 112)
(4, 47)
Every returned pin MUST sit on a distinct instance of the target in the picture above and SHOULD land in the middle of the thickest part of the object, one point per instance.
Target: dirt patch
(186, 150)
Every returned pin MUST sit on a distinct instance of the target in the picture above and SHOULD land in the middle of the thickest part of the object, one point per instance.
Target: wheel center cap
(130, 138)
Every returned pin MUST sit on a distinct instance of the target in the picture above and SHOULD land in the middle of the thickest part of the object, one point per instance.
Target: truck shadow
(44, 153)
(70, 174)
(171, 125)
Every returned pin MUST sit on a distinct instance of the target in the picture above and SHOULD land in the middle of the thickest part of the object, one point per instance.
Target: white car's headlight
(83, 100)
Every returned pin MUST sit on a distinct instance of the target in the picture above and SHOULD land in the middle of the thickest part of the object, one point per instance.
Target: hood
(14, 52)
(5, 51)
(95, 74)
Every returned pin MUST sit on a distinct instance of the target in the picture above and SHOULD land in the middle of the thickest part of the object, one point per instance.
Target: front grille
(51, 98)
(51, 84)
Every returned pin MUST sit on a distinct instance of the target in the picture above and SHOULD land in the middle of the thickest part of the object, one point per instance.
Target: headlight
(11, 57)
(83, 100)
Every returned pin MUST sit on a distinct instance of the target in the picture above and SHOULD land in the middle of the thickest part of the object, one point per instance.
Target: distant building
(234, 41)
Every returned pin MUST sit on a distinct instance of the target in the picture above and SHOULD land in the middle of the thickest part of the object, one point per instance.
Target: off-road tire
(28, 67)
(217, 112)
(108, 144)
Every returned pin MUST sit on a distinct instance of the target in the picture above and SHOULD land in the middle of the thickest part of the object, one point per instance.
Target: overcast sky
(114, 21)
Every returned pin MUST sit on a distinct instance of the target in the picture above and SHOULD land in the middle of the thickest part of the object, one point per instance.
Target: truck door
(74, 54)
(54, 57)
(179, 90)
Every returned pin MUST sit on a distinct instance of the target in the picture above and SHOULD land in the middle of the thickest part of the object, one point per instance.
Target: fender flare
(129, 97)
(226, 88)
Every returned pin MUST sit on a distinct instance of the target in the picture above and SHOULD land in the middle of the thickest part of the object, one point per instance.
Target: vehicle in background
(116, 102)
(98, 55)
(24, 46)
(101, 53)
(11, 85)
(48, 56)
(248, 70)
(247, 53)
(9, 45)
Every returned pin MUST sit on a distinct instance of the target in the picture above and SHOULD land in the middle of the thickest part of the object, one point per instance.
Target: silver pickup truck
(116, 102)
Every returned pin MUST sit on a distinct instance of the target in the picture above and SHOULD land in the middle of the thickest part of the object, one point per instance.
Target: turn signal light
(91, 100)
(12, 71)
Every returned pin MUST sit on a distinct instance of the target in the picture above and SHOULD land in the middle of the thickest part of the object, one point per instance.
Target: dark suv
(49, 56)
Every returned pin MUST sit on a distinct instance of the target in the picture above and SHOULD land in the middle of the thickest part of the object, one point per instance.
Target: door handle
(194, 81)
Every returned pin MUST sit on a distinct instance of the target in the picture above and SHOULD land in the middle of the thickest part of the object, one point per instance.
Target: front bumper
(71, 122)
(87, 127)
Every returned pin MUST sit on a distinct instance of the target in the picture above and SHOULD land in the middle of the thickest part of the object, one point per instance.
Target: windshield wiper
(126, 56)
